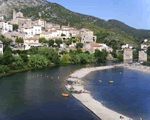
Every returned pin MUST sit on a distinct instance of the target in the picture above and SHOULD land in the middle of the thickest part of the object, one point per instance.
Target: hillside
(52, 12)
(130, 30)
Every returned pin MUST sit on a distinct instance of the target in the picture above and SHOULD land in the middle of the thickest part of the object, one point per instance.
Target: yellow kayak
(65, 95)
(110, 82)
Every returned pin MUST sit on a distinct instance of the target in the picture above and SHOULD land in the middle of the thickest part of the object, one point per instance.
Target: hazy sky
(134, 13)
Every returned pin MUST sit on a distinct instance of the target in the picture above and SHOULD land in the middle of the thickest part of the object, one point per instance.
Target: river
(128, 95)
(24, 96)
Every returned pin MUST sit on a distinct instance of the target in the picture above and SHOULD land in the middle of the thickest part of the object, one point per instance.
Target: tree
(51, 42)
(99, 56)
(148, 51)
(74, 59)
(79, 50)
(33, 50)
(58, 42)
(42, 40)
(65, 58)
(68, 42)
(135, 55)
(7, 48)
(120, 55)
(63, 34)
(4, 69)
(79, 45)
(38, 61)
(19, 40)
(63, 52)
(24, 57)
(87, 52)
(15, 26)
(7, 58)
(50, 54)
(18, 63)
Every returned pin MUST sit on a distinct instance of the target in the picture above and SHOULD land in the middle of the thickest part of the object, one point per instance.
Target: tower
(14, 16)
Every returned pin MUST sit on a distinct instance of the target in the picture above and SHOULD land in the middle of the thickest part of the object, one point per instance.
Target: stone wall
(142, 56)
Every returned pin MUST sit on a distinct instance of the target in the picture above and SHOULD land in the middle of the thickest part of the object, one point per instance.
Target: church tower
(14, 16)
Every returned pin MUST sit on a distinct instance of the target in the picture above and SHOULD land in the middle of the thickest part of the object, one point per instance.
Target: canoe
(65, 95)
(110, 82)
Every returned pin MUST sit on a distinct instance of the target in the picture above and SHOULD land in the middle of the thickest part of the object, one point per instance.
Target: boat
(65, 95)
(110, 82)
(100, 80)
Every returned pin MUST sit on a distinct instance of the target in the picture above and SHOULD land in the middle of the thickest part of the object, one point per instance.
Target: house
(144, 47)
(44, 35)
(1, 48)
(145, 40)
(74, 33)
(35, 30)
(31, 42)
(87, 36)
(6, 27)
(13, 35)
(1, 17)
(42, 23)
(101, 46)
(127, 46)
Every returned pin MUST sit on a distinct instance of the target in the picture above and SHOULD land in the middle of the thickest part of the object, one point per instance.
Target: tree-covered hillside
(53, 12)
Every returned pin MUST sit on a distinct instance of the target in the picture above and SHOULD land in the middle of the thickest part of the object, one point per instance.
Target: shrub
(4, 69)
(38, 61)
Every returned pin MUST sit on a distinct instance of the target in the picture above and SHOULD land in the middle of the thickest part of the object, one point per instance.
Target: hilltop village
(25, 34)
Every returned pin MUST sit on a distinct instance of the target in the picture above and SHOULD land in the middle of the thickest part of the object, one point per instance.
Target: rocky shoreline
(76, 87)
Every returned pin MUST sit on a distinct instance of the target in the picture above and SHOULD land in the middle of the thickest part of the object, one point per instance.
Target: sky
(135, 13)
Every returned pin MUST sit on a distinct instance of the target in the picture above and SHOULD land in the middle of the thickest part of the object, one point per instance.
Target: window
(34, 40)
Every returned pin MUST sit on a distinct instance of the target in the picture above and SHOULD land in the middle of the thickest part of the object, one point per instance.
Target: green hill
(105, 30)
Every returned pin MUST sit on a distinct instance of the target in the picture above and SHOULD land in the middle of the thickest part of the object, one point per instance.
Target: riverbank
(23, 70)
(85, 97)
(141, 68)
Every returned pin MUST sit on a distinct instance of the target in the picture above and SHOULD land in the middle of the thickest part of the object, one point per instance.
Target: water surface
(129, 94)
(24, 97)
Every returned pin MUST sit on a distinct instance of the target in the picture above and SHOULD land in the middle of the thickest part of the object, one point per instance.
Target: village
(32, 31)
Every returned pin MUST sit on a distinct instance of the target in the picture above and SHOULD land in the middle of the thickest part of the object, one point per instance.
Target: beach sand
(86, 99)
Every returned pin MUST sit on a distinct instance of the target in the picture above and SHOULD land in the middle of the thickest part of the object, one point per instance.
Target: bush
(79, 45)
(65, 58)
(74, 59)
(38, 61)
(24, 57)
(63, 52)
(18, 63)
(4, 69)
(50, 54)
(7, 58)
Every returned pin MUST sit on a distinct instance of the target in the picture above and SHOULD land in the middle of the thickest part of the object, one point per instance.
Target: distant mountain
(130, 30)
(53, 12)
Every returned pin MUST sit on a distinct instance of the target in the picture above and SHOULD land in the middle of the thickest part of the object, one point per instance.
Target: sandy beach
(86, 99)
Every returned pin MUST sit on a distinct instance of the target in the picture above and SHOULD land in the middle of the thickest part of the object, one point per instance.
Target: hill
(53, 12)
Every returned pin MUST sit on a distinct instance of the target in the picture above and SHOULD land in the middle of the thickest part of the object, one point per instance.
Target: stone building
(128, 55)
(142, 56)
(22, 21)
(87, 36)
